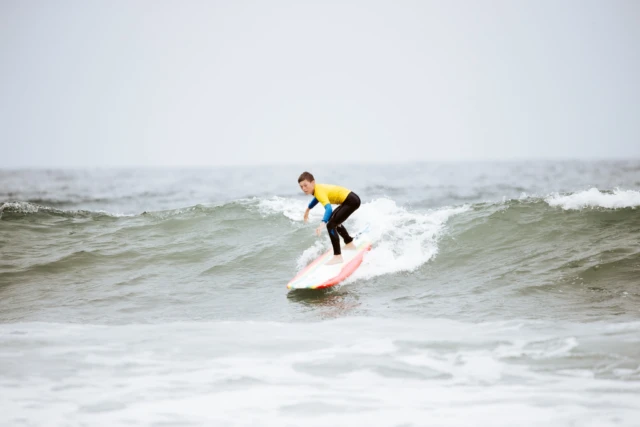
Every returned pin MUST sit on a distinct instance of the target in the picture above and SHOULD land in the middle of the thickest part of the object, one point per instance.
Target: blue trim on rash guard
(313, 203)
(327, 212)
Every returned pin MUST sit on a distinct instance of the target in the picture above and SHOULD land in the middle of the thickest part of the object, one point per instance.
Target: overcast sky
(122, 83)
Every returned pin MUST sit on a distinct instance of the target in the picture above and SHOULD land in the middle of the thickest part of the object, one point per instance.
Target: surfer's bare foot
(350, 246)
(337, 259)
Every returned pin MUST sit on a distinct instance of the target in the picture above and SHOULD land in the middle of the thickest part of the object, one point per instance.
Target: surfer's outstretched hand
(320, 228)
(306, 215)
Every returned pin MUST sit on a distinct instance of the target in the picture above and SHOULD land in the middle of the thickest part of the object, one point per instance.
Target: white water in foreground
(353, 371)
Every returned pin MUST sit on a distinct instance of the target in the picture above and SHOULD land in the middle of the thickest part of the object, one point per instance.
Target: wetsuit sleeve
(322, 196)
(327, 212)
(313, 203)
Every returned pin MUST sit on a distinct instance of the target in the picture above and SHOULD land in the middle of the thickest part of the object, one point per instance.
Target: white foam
(291, 208)
(402, 240)
(20, 207)
(593, 198)
(344, 372)
(311, 253)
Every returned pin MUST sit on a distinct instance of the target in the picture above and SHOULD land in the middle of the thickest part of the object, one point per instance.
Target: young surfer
(327, 195)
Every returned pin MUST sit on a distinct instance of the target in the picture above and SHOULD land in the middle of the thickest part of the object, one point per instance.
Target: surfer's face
(307, 187)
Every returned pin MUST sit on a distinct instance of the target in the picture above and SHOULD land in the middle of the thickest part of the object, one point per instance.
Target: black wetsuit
(340, 215)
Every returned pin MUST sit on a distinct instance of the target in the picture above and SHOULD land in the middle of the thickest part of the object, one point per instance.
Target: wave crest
(593, 198)
(20, 209)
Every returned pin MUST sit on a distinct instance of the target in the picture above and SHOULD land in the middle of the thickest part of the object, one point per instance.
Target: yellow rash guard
(328, 195)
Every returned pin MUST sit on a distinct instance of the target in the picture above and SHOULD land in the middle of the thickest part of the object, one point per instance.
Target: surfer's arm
(312, 204)
(327, 213)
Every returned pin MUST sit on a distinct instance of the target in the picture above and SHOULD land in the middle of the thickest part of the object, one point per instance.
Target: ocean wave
(293, 208)
(593, 198)
(21, 209)
(503, 234)
(535, 248)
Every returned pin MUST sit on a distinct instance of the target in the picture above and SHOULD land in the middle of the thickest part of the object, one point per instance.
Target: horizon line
(322, 163)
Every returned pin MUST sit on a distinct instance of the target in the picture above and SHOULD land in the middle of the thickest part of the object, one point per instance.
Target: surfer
(327, 195)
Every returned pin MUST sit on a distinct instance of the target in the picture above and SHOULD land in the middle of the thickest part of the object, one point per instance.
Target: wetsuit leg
(344, 233)
(335, 227)
(335, 240)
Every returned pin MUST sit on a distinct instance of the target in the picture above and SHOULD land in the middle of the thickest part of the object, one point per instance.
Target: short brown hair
(305, 176)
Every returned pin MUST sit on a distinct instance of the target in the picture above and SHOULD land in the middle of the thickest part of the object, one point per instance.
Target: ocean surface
(496, 294)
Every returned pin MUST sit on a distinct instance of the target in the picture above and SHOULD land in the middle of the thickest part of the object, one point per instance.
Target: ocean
(496, 293)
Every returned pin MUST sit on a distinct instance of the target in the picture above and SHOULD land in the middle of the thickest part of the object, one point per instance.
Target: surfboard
(318, 275)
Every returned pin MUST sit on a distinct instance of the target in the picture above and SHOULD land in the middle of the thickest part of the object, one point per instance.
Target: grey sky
(118, 83)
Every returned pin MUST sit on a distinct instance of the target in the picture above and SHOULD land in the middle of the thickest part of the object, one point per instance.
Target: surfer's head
(307, 183)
